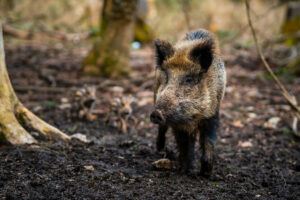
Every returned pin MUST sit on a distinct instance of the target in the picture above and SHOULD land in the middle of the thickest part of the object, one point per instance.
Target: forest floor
(252, 161)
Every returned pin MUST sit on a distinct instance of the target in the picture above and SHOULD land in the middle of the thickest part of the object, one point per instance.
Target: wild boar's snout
(157, 117)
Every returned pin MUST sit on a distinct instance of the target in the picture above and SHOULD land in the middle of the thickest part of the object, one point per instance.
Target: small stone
(80, 137)
(64, 100)
(252, 115)
(37, 108)
(89, 167)
(117, 89)
(229, 89)
(64, 106)
(162, 164)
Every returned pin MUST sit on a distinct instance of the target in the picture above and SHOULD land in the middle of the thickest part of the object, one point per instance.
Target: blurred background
(87, 67)
(78, 22)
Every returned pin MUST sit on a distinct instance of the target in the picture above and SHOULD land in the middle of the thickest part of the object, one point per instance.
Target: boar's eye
(189, 80)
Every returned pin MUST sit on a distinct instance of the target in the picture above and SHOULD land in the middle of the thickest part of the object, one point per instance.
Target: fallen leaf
(245, 144)
(238, 124)
(272, 123)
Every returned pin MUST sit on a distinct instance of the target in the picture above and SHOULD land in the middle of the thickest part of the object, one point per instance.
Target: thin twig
(290, 99)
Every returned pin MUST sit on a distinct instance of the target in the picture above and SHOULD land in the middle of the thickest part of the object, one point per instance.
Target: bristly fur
(164, 50)
(189, 86)
(203, 53)
(198, 34)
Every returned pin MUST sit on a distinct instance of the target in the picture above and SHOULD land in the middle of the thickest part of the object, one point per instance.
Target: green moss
(108, 67)
(143, 32)
(291, 27)
(112, 67)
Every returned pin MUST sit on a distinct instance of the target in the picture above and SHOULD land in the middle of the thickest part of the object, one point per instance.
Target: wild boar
(189, 85)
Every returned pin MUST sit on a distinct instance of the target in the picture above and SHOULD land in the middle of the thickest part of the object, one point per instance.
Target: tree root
(16, 121)
(32, 122)
(11, 131)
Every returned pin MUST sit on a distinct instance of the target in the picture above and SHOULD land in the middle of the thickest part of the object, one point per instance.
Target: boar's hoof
(206, 167)
(184, 170)
(157, 117)
(160, 145)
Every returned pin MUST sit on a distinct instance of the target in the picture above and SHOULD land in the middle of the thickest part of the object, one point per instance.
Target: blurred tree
(142, 31)
(14, 117)
(110, 53)
(291, 29)
(291, 24)
(7, 4)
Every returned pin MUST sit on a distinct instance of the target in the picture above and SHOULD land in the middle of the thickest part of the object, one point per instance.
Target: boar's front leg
(185, 144)
(208, 129)
(161, 137)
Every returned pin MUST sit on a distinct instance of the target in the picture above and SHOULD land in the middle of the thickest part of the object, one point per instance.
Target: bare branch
(290, 98)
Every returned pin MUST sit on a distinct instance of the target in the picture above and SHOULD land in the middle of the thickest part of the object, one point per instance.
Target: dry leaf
(272, 123)
(245, 144)
(238, 124)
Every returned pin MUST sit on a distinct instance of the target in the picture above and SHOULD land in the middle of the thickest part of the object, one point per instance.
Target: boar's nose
(157, 117)
(127, 111)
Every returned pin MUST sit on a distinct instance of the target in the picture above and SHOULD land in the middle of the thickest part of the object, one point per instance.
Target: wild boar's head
(182, 79)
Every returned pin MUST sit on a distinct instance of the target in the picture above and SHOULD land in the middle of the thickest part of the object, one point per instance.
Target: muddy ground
(252, 161)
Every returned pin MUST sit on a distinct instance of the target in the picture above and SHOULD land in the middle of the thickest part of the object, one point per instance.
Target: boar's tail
(198, 35)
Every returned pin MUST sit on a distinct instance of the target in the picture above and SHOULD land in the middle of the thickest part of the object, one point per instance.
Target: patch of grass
(213, 183)
(42, 116)
(285, 130)
(73, 129)
(147, 120)
(50, 104)
(284, 73)
(134, 147)
(225, 33)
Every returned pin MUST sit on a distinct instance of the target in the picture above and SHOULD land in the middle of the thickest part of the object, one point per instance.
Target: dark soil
(252, 162)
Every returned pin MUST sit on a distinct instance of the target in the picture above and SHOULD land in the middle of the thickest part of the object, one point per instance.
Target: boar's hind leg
(161, 137)
(185, 144)
(208, 129)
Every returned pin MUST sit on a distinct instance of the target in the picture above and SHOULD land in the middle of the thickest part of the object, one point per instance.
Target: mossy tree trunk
(291, 28)
(291, 24)
(110, 53)
(15, 120)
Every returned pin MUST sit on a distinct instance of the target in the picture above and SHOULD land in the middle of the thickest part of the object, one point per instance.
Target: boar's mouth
(174, 118)
(177, 118)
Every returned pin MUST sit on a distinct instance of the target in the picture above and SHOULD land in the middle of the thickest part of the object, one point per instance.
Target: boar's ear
(163, 50)
(203, 54)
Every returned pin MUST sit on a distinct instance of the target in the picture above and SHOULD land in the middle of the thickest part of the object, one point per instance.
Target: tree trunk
(291, 24)
(291, 30)
(142, 32)
(110, 53)
(15, 119)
